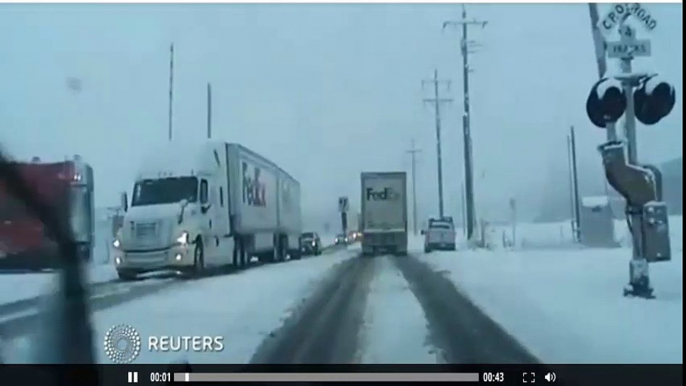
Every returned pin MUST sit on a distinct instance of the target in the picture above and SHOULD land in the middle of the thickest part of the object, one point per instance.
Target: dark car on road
(341, 239)
(311, 244)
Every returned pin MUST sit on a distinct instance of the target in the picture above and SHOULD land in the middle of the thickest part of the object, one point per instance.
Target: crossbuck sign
(343, 204)
(628, 46)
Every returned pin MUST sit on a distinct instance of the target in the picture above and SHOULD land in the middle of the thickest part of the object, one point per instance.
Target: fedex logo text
(254, 190)
(387, 194)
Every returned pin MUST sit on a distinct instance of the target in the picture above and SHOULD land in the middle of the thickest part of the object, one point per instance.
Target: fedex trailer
(384, 213)
(214, 205)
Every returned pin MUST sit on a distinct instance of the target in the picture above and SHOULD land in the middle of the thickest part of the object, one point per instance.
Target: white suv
(440, 235)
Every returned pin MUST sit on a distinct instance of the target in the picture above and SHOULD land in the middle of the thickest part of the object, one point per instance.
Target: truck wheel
(198, 258)
(283, 249)
(236, 254)
(243, 254)
(427, 250)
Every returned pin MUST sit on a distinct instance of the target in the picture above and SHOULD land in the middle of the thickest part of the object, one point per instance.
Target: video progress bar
(326, 377)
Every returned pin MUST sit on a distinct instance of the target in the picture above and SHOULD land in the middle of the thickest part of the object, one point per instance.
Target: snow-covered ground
(19, 286)
(559, 234)
(395, 330)
(566, 305)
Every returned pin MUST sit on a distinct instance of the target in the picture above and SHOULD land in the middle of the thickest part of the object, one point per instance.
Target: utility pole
(413, 153)
(572, 214)
(463, 210)
(469, 178)
(437, 100)
(576, 229)
(209, 111)
(171, 88)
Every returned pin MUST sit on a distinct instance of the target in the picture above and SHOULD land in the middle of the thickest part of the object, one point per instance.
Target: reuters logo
(122, 344)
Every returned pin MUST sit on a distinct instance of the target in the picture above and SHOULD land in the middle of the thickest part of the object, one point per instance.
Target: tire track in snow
(324, 330)
(395, 329)
(460, 329)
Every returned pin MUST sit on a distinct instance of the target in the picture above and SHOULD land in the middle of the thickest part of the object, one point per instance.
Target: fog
(326, 91)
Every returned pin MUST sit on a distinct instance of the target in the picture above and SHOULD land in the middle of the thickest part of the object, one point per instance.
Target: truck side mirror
(423, 232)
(124, 198)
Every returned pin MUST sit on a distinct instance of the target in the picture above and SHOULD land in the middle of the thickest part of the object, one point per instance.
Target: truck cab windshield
(165, 191)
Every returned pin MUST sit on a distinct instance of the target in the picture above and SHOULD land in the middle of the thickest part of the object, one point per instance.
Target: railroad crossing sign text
(621, 11)
(625, 50)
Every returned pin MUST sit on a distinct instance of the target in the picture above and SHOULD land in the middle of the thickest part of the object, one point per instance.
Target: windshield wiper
(66, 336)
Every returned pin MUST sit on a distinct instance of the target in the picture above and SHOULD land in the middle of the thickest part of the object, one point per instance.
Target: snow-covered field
(242, 308)
(559, 234)
(566, 305)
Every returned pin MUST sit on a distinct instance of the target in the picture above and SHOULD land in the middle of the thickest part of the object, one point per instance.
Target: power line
(465, 50)
(413, 153)
(437, 101)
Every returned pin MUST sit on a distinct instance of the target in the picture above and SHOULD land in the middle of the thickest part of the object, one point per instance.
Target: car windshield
(464, 237)
(165, 191)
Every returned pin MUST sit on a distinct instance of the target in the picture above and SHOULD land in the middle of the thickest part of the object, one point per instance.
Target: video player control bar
(326, 377)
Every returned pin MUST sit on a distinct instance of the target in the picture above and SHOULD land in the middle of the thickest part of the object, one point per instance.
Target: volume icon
(550, 377)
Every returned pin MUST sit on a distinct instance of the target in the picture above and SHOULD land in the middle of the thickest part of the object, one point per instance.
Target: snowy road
(550, 306)
(389, 310)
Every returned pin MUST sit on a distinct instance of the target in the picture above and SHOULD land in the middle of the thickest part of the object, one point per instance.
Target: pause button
(133, 377)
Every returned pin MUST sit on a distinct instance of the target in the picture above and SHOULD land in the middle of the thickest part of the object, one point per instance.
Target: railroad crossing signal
(343, 204)
(653, 98)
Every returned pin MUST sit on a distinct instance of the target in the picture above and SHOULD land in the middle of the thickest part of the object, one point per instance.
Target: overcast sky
(326, 91)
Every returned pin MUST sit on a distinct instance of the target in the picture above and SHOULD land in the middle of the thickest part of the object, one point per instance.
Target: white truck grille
(145, 231)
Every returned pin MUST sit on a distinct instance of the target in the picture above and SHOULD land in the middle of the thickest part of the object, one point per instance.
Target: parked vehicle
(440, 235)
(384, 213)
(67, 188)
(311, 244)
(214, 205)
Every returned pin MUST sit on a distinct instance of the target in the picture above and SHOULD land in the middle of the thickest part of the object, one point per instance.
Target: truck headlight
(183, 239)
(116, 243)
(314, 243)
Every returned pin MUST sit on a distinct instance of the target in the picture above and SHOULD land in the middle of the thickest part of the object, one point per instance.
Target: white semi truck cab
(163, 227)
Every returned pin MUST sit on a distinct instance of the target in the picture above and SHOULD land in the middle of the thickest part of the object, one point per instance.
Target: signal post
(648, 98)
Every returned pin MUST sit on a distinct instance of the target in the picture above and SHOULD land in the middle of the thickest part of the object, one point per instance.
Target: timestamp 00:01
(161, 377)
